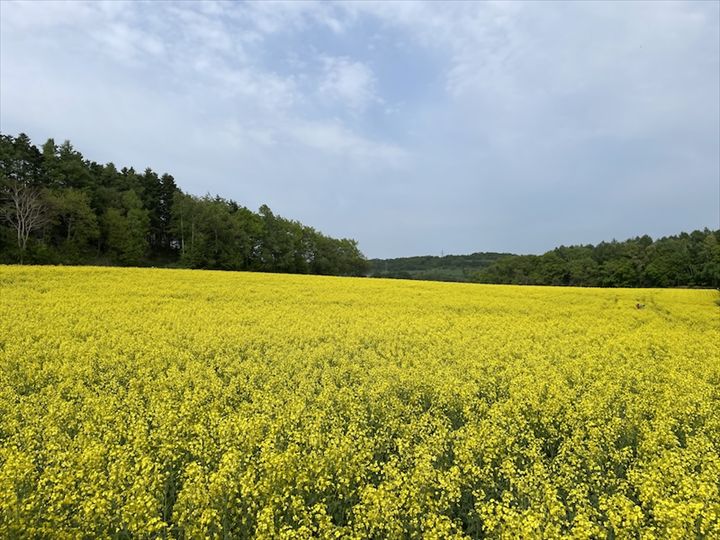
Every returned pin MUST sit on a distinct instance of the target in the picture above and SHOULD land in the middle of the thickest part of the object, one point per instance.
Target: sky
(414, 128)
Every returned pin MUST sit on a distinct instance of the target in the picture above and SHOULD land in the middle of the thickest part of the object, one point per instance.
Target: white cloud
(333, 138)
(127, 44)
(269, 18)
(351, 83)
(501, 108)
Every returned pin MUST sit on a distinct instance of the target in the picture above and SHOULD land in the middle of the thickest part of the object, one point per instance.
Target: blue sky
(415, 128)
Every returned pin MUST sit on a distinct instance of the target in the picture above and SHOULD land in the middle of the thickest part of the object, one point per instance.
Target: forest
(59, 208)
(684, 260)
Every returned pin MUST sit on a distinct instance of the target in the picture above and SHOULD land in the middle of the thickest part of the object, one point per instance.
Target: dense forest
(685, 260)
(59, 208)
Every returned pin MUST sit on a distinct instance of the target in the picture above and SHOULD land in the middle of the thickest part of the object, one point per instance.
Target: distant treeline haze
(56, 207)
(59, 207)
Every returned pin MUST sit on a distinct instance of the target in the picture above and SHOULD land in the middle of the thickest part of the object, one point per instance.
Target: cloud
(513, 126)
(334, 138)
(348, 82)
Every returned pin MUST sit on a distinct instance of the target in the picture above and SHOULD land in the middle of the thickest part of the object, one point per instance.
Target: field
(179, 403)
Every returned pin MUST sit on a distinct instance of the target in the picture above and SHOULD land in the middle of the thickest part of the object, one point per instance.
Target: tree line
(56, 207)
(684, 260)
(59, 208)
(433, 268)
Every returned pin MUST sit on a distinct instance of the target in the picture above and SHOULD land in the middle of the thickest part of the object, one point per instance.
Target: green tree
(69, 209)
(75, 223)
(65, 167)
(127, 229)
(22, 205)
(185, 214)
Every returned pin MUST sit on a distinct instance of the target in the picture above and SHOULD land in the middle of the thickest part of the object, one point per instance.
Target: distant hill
(434, 268)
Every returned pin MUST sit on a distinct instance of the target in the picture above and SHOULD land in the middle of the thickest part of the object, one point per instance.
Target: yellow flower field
(190, 404)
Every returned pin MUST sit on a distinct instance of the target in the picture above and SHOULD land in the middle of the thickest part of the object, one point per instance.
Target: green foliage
(20, 161)
(95, 213)
(74, 224)
(65, 167)
(216, 233)
(685, 260)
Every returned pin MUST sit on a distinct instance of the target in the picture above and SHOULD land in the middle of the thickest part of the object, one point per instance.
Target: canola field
(145, 403)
